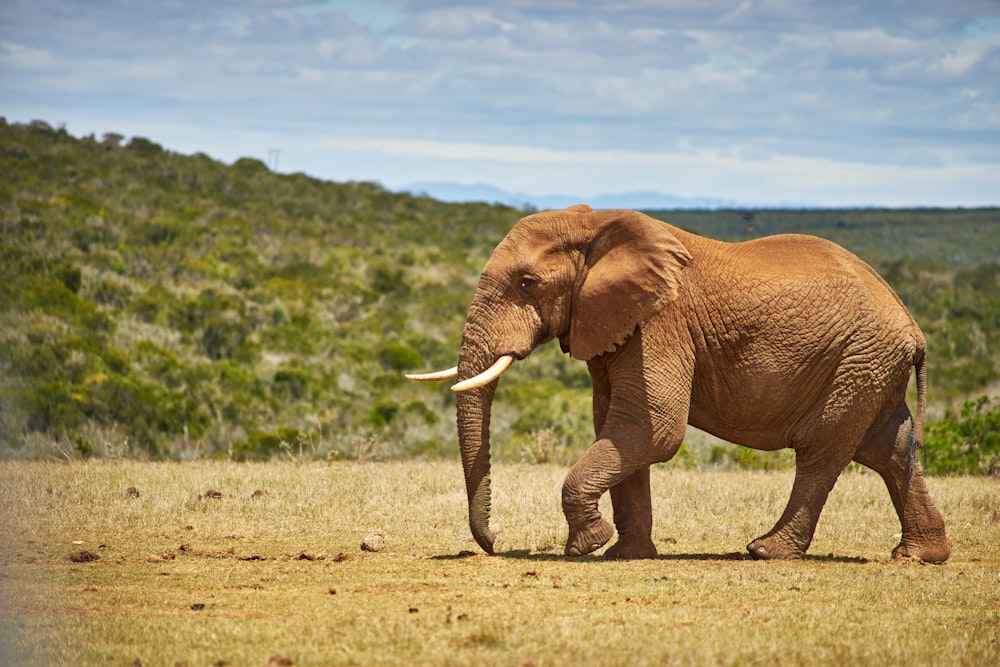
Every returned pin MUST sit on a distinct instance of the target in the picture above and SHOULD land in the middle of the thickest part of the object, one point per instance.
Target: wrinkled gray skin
(786, 341)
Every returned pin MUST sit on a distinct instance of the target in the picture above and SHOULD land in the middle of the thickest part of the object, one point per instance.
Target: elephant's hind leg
(815, 475)
(891, 452)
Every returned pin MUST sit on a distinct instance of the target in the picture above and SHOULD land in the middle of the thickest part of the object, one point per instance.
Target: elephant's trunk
(474, 407)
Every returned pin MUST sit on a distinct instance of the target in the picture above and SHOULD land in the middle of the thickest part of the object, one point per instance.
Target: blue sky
(838, 102)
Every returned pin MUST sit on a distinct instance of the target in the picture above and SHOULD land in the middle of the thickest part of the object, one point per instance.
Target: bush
(291, 383)
(967, 443)
(399, 357)
(264, 446)
(744, 458)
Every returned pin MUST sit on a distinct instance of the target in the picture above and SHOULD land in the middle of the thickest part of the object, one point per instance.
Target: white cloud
(727, 173)
(18, 57)
(693, 94)
(959, 60)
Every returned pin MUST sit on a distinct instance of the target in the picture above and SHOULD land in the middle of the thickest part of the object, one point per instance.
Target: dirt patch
(228, 553)
(82, 557)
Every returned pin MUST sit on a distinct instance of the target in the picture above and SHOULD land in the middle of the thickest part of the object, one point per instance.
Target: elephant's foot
(932, 552)
(772, 547)
(589, 538)
(923, 536)
(631, 550)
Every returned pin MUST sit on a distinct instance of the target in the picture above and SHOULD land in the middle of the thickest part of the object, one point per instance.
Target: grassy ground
(278, 577)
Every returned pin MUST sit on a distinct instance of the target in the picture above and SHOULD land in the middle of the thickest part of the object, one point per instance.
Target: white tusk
(487, 376)
(437, 376)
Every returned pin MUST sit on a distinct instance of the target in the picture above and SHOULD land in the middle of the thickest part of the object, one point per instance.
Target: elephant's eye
(527, 283)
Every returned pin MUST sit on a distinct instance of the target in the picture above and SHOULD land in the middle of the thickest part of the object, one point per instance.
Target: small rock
(374, 542)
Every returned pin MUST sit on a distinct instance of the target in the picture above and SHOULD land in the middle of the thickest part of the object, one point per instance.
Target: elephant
(786, 341)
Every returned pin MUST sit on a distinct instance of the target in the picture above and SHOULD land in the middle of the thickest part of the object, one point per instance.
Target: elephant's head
(585, 277)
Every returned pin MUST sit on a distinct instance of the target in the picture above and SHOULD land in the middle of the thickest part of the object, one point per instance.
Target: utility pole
(272, 158)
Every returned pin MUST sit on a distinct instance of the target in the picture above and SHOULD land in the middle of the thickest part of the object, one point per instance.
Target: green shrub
(154, 305)
(225, 336)
(291, 383)
(264, 446)
(382, 413)
(144, 147)
(55, 407)
(744, 458)
(550, 416)
(67, 274)
(51, 296)
(158, 232)
(966, 443)
(110, 293)
(387, 278)
(399, 357)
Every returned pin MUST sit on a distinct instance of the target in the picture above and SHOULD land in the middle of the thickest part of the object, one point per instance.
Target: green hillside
(168, 306)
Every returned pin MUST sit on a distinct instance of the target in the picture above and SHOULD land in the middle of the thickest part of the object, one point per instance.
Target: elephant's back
(795, 253)
(796, 280)
(794, 261)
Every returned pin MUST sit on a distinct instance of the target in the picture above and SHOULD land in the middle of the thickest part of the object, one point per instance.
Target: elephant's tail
(918, 423)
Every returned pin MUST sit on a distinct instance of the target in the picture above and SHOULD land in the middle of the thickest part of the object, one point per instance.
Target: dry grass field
(260, 564)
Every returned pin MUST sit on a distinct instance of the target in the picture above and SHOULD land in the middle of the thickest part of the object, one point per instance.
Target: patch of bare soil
(82, 557)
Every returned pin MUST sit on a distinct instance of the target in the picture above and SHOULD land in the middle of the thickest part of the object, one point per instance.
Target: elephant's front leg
(630, 497)
(599, 469)
(640, 413)
(633, 509)
(624, 469)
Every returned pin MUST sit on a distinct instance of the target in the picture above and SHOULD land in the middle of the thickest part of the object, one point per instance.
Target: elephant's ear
(632, 269)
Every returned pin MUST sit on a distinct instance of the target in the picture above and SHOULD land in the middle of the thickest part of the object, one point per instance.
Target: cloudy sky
(828, 102)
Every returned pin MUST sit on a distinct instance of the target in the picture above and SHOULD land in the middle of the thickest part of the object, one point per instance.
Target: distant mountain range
(643, 199)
